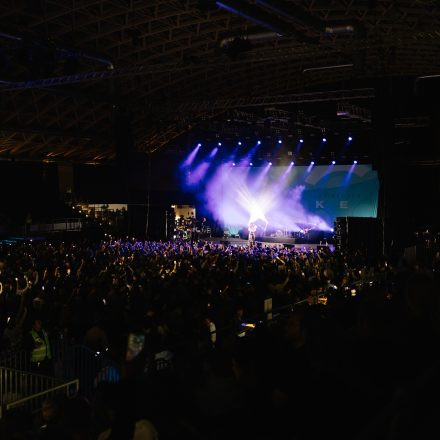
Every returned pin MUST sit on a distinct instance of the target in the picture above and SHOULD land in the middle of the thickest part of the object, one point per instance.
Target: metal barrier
(34, 402)
(70, 362)
(17, 360)
(28, 390)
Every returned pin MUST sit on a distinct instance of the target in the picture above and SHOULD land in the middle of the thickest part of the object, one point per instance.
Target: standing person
(203, 225)
(38, 343)
(252, 229)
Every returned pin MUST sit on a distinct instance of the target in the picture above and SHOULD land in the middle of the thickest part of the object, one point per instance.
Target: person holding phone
(135, 345)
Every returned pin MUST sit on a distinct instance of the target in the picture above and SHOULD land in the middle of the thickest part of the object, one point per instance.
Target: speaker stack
(359, 233)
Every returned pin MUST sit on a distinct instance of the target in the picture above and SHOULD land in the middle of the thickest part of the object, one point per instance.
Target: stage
(272, 242)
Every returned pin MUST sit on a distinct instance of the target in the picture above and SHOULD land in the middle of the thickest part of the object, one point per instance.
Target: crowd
(361, 329)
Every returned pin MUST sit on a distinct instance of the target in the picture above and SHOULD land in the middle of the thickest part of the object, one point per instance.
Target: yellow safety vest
(43, 351)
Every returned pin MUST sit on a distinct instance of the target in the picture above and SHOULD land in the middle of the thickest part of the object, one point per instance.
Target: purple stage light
(324, 139)
(350, 138)
(197, 175)
(333, 162)
(292, 163)
(280, 141)
(190, 159)
(236, 197)
(312, 163)
(233, 164)
(250, 164)
(355, 162)
(270, 163)
(239, 143)
(259, 142)
(213, 152)
(301, 141)
(219, 144)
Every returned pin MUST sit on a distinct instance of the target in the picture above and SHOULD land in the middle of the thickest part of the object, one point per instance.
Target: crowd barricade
(27, 391)
(70, 362)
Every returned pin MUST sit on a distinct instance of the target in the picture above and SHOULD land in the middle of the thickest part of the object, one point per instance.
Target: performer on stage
(252, 228)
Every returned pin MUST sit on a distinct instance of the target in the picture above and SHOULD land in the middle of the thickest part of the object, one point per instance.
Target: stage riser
(286, 243)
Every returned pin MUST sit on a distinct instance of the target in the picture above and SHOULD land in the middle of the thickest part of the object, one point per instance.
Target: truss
(296, 98)
(169, 60)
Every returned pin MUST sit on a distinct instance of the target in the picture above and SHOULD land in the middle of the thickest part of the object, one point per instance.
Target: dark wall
(27, 188)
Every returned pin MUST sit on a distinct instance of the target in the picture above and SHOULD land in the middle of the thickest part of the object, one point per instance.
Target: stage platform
(272, 242)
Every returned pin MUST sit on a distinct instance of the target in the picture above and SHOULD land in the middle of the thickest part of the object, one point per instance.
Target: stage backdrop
(339, 191)
(289, 198)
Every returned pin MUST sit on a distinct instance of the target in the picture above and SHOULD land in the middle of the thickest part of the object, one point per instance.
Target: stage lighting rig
(237, 47)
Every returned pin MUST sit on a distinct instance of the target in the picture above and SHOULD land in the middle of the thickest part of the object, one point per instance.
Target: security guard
(41, 357)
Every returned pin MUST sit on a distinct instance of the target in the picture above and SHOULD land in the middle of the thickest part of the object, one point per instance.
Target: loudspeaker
(359, 233)
(122, 132)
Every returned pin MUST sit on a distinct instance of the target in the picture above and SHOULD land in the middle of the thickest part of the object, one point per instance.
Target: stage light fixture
(333, 162)
(270, 163)
(280, 141)
(219, 144)
(233, 164)
(292, 163)
(301, 141)
(355, 162)
(250, 164)
(239, 143)
(324, 139)
(312, 163)
(259, 142)
(350, 138)
(199, 145)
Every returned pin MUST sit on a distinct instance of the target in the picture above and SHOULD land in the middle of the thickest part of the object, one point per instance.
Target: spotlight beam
(190, 159)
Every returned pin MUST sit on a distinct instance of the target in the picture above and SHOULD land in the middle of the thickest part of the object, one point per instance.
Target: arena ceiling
(70, 68)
